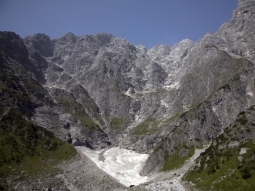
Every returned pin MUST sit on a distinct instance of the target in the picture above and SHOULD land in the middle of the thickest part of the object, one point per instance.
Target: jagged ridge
(105, 91)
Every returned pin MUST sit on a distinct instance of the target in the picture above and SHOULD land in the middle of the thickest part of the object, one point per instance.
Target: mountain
(28, 151)
(101, 91)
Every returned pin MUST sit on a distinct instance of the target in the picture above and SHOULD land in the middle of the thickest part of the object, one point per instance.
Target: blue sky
(146, 22)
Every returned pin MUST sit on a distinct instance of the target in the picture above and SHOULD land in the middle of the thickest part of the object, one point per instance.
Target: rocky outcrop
(217, 104)
(20, 71)
(151, 93)
(105, 91)
(234, 146)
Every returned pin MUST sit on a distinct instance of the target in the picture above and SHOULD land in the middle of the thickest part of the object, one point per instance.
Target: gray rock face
(41, 43)
(164, 81)
(107, 91)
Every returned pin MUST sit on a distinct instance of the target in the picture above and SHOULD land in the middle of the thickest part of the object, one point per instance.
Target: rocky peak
(98, 39)
(242, 3)
(107, 91)
(69, 38)
(41, 43)
(244, 8)
(142, 48)
(184, 43)
(104, 37)
(12, 44)
(157, 52)
(237, 36)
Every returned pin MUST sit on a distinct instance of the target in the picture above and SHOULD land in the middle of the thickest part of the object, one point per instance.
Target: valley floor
(81, 173)
(171, 180)
(125, 165)
(112, 169)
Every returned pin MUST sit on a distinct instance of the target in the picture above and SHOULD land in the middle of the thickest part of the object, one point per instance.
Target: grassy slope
(116, 123)
(28, 151)
(222, 166)
(70, 105)
(175, 161)
(148, 126)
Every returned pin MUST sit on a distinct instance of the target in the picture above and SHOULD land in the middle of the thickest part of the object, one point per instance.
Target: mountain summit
(101, 91)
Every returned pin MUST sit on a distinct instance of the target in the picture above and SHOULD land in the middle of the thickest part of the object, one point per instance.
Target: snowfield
(125, 165)
(122, 164)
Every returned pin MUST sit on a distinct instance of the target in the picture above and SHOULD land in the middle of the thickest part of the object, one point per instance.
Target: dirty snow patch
(250, 94)
(122, 164)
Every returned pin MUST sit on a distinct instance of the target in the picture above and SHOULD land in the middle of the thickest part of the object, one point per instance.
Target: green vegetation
(175, 161)
(30, 149)
(225, 167)
(33, 87)
(79, 91)
(242, 121)
(150, 125)
(242, 118)
(18, 89)
(27, 151)
(11, 90)
(224, 80)
(252, 108)
(171, 119)
(116, 123)
(221, 170)
(160, 91)
(88, 122)
(70, 106)
(86, 101)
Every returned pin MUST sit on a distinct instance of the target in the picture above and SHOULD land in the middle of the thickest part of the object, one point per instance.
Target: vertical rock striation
(165, 101)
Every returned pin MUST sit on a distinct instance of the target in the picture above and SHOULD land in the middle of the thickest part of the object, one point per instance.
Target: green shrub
(175, 160)
(148, 126)
(116, 123)
(24, 145)
(242, 120)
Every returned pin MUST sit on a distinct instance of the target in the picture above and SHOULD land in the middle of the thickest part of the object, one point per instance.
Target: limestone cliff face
(107, 91)
(22, 69)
